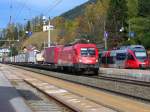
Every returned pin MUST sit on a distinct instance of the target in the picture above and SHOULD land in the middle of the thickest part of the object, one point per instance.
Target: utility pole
(105, 35)
(49, 33)
(47, 28)
(129, 30)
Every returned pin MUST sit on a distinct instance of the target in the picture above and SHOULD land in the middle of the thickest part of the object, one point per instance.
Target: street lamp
(121, 29)
(129, 30)
(49, 33)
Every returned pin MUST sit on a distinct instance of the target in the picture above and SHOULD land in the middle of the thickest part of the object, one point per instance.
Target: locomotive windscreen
(88, 51)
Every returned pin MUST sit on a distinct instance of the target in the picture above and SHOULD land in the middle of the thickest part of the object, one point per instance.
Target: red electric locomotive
(76, 57)
(79, 57)
(133, 56)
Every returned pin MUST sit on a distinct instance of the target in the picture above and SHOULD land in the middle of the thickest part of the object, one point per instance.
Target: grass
(38, 39)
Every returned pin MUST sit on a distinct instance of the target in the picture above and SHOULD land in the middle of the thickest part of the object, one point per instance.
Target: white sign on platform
(46, 28)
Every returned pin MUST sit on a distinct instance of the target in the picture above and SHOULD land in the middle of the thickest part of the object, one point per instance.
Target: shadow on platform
(11, 101)
(28, 95)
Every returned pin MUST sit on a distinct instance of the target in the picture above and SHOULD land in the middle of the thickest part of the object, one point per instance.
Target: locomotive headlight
(96, 60)
(80, 60)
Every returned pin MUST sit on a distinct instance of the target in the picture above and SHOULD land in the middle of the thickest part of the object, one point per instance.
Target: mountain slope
(77, 11)
(38, 39)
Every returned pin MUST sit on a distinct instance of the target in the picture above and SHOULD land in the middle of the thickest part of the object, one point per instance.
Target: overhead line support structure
(49, 33)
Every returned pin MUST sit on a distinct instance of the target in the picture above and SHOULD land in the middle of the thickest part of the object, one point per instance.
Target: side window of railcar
(111, 60)
(107, 60)
(100, 57)
(130, 57)
(104, 60)
(120, 56)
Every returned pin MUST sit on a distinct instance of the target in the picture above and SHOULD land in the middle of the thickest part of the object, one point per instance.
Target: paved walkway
(137, 74)
(10, 101)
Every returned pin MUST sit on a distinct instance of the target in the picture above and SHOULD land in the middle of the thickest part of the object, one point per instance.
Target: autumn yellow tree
(95, 15)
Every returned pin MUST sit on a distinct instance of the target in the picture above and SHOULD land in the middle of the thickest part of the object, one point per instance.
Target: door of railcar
(121, 59)
(131, 61)
(112, 59)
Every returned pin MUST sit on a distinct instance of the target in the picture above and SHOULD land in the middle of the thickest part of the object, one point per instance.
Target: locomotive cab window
(87, 51)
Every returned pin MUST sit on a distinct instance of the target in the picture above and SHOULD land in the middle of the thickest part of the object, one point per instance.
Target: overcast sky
(27, 9)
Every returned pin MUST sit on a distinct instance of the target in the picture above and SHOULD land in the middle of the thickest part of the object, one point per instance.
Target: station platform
(10, 100)
(134, 74)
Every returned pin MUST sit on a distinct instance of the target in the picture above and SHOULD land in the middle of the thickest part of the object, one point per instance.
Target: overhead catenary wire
(31, 11)
(53, 6)
(20, 10)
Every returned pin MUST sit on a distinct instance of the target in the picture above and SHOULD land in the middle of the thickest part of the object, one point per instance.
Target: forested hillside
(77, 11)
(124, 21)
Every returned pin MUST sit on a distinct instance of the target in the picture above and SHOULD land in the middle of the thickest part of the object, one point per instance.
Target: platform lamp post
(49, 33)
(129, 30)
(48, 27)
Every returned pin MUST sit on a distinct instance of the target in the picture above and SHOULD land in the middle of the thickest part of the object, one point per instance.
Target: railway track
(130, 88)
(35, 99)
(113, 102)
(40, 103)
(129, 81)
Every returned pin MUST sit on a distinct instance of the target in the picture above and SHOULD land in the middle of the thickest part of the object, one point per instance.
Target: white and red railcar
(134, 56)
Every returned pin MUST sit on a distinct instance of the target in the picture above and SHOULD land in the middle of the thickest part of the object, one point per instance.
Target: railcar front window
(141, 55)
(87, 51)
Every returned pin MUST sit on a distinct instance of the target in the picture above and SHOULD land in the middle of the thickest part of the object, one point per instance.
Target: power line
(20, 11)
(53, 6)
(24, 5)
(33, 10)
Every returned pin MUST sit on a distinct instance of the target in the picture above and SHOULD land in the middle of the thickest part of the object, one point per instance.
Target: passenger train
(133, 56)
(78, 57)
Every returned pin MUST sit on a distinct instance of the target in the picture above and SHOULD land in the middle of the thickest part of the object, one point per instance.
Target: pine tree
(132, 8)
(15, 33)
(28, 27)
(144, 8)
(116, 19)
